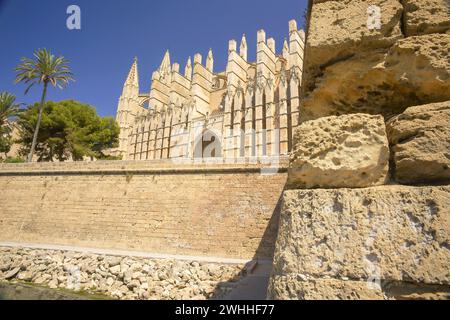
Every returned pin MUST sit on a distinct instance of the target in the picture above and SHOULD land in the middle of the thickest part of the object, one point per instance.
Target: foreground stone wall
(363, 244)
(420, 140)
(119, 277)
(375, 114)
(355, 65)
(217, 210)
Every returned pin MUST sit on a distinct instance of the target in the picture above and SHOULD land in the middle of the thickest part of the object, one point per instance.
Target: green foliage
(44, 68)
(110, 158)
(8, 109)
(69, 129)
(5, 140)
(14, 160)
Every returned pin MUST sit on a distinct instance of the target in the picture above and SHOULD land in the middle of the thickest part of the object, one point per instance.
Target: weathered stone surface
(292, 287)
(420, 137)
(339, 29)
(414, 71)
(426, 16)
(346, 151)
(115, 270)
(296, 287)
(415, 291)
(390, 233)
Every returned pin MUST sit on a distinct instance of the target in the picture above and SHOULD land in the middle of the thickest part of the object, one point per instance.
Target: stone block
(296, 287)
(420, 139)
(426, 16)
(390, 233)
(293, 287)
(340, 28)
(346, 151)
(414, 71)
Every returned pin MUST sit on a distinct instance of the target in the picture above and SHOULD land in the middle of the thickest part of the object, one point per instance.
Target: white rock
(109, 281)
(115, 270)
(12, 273)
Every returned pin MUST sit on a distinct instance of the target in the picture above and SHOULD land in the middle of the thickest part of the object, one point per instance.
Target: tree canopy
(45, 68)
(69, 130)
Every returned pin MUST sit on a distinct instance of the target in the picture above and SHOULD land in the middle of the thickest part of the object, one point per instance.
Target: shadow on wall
(252, 281)
(266, 247)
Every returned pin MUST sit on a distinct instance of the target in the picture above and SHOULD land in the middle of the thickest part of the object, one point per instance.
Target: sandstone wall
(363, 244)
(217, 210)
(346, 151)
(420, 140)
(376, 87)
(356, 62)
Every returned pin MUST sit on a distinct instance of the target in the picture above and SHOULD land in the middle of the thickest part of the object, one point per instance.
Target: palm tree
(44, 69)
(8, 107)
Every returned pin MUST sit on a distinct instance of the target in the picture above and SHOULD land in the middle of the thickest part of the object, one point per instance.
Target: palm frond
(8, 107)
(29, 87)
(44, 68)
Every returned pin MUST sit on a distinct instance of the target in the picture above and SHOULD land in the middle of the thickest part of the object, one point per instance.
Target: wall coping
(130, 253)
(263, 165)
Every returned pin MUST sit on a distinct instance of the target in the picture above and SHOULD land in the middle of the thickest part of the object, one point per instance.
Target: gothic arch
(144, 102)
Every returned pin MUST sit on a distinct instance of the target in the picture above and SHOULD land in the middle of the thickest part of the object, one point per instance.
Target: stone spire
(243, 48)
(131, 85)
(126, 109)
(165, 64)
(188, 69)
(210, 61)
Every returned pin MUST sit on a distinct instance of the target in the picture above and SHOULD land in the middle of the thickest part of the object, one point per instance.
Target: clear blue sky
(113, 32)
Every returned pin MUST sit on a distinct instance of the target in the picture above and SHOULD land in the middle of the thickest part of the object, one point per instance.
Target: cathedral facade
(249, 110)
